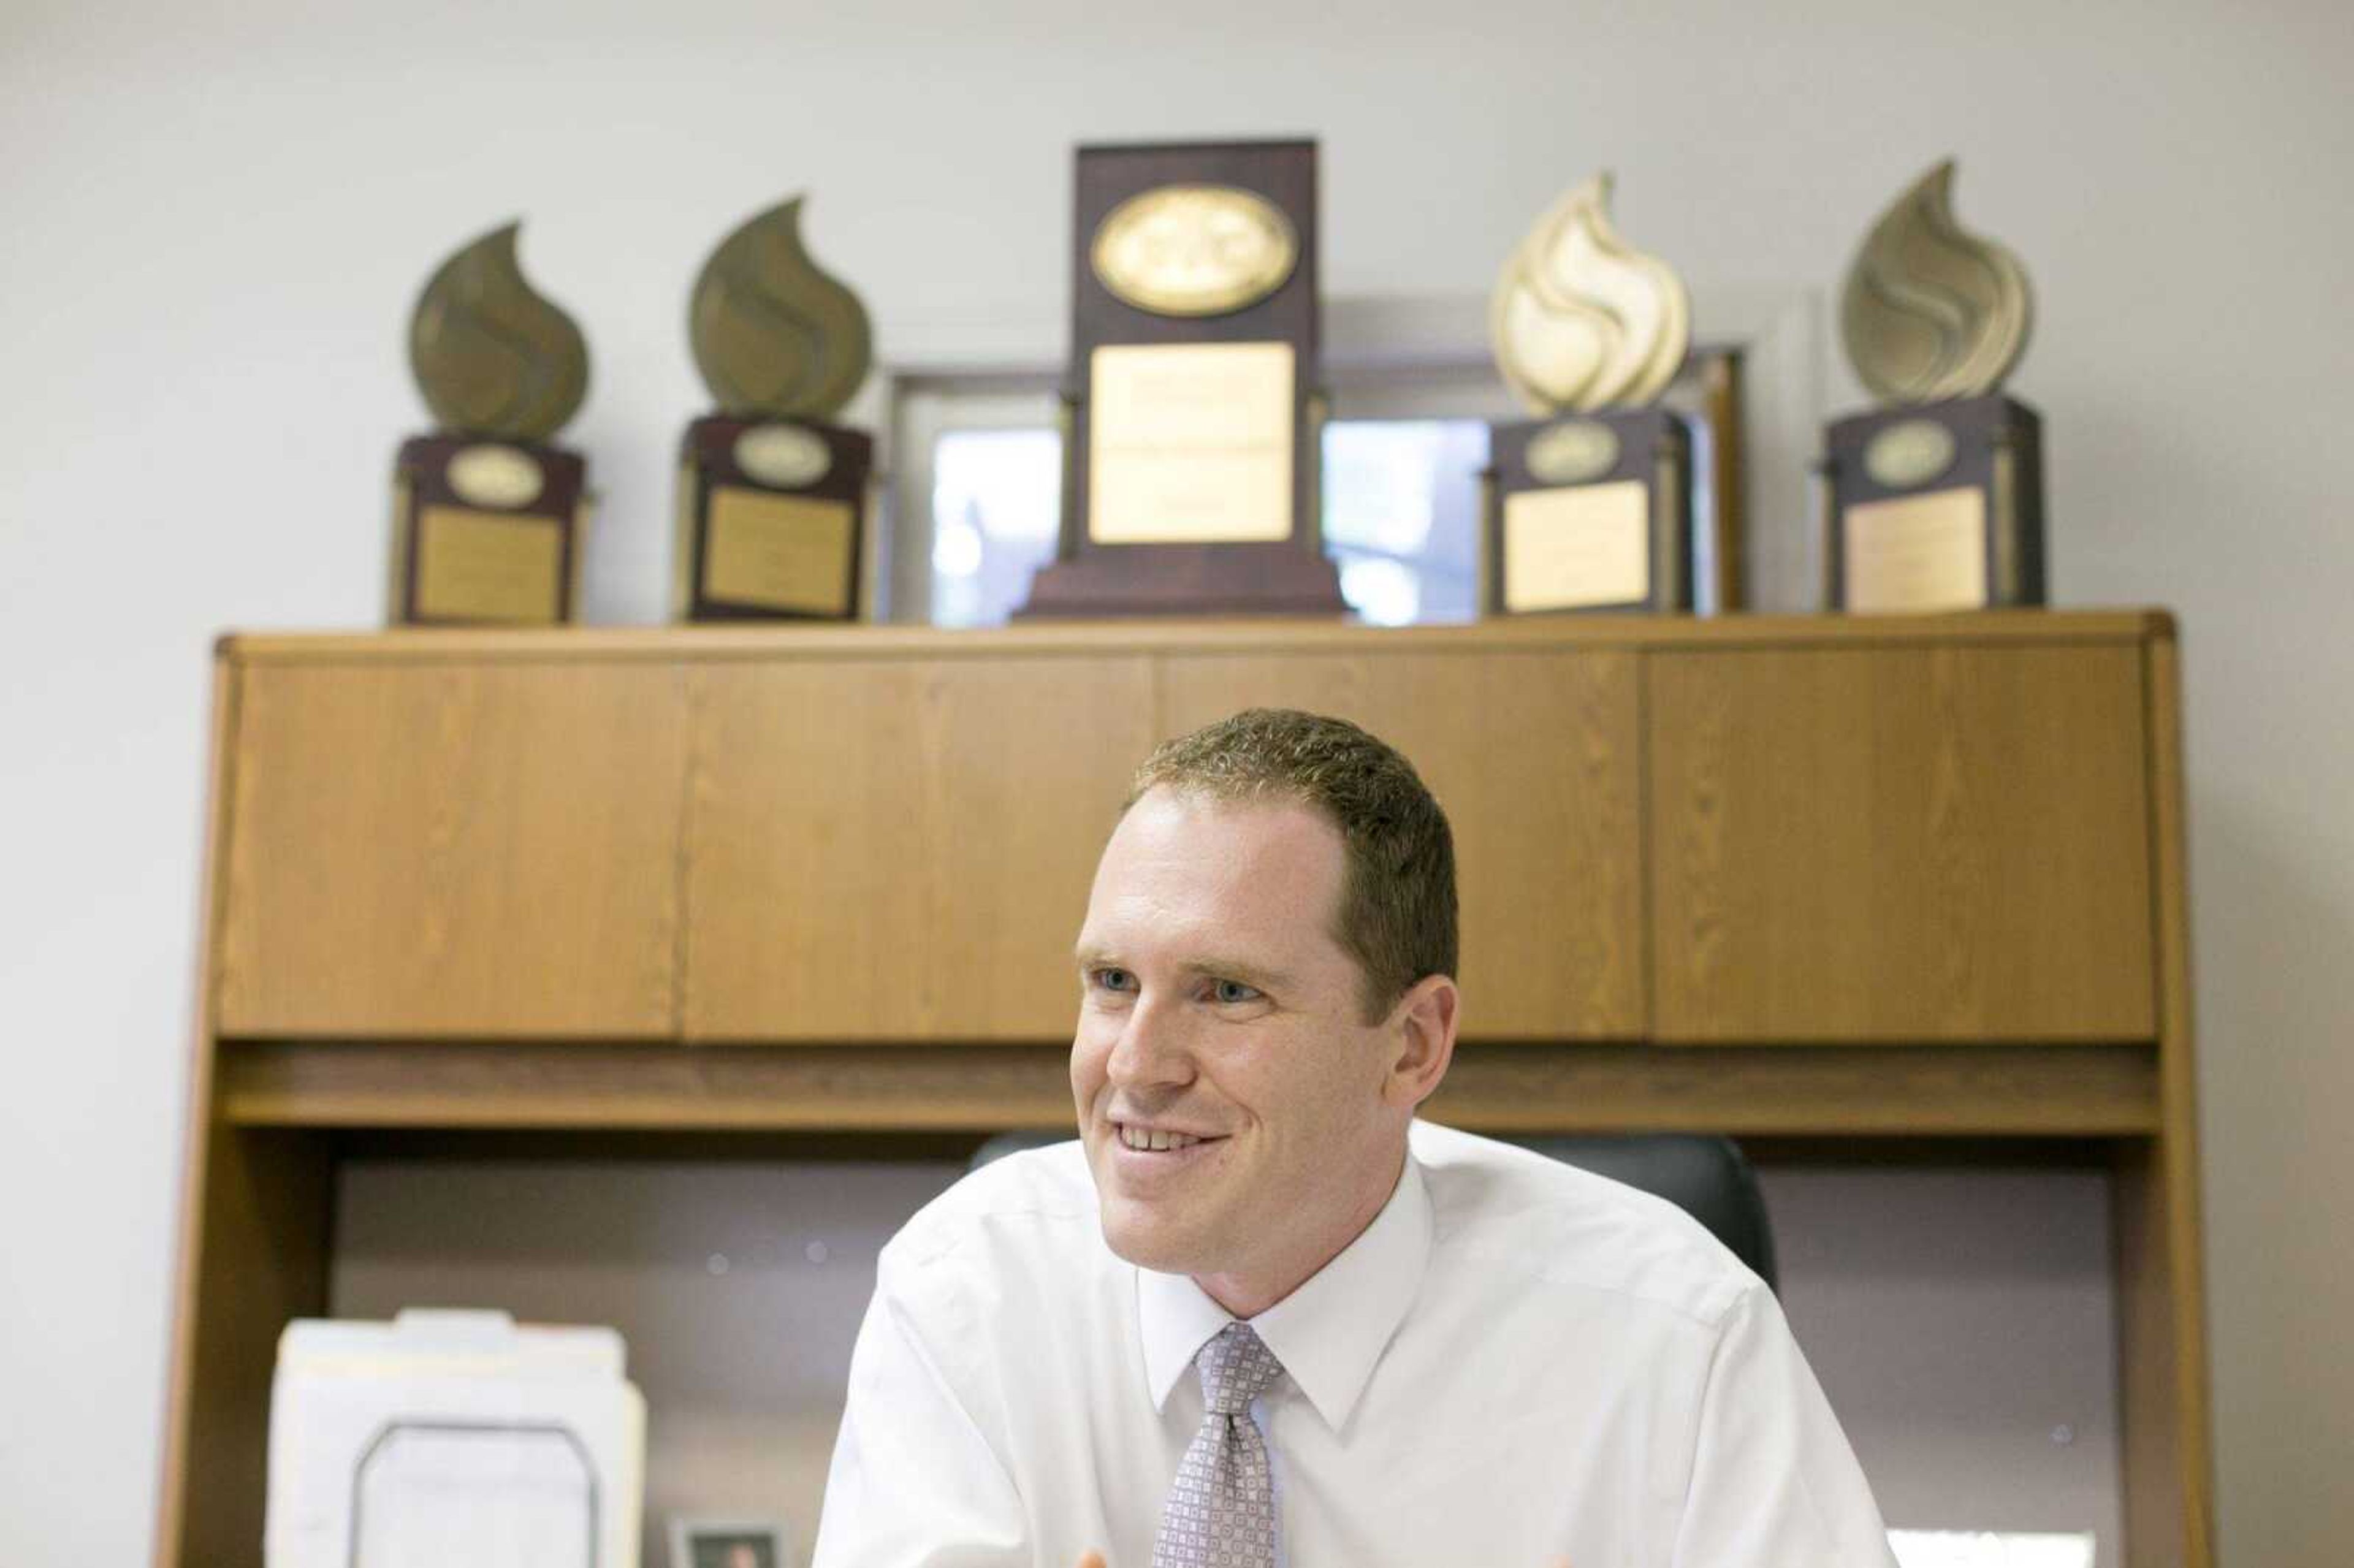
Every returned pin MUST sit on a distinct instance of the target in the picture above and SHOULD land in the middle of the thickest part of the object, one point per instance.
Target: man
(1258, 1315)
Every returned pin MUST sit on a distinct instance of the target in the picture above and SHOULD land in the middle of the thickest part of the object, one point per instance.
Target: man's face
(1220, 1015)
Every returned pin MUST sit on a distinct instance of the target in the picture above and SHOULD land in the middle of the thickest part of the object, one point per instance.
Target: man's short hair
(1397, 915)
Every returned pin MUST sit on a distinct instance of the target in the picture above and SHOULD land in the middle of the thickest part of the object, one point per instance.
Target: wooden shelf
(705, 643)
(2039, 1091)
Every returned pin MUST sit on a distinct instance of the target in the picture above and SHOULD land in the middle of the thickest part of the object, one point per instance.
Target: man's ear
(1421, 1029)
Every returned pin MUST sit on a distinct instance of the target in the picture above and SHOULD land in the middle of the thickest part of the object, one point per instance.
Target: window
(996, 505)
(1400, 517)
(976, 457)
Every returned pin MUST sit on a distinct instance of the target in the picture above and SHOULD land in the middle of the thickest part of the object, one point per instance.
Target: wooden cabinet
(1810, 844)
(476, 848)
(1901, 844)
(900, 849)
(1829, 877)
(1533, 753)
(840, 848)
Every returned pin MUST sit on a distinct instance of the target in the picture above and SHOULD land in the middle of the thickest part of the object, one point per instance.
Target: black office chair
(1708, 1178)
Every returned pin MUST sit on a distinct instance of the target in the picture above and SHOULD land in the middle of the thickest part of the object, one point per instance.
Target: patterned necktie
(1221, 1508)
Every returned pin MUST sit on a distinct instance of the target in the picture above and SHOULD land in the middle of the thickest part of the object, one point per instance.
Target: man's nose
(1152, 1051)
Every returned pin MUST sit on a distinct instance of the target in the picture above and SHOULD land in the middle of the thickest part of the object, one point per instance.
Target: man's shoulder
(1532, 1222)
(1032, 1200)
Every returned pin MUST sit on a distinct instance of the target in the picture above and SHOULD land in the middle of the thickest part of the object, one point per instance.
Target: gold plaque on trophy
(488, 567)
(1578, 546)
(1917, 551)
(1191, 444)
(1589, 504)
(790, 552)
(488, 517)
(1935, 501)
(772, 492)
(1195, 250)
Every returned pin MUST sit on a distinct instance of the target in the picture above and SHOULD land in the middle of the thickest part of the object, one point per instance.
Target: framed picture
(728, 1543)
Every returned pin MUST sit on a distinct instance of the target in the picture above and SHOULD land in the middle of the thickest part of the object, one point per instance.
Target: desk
(1809, 877)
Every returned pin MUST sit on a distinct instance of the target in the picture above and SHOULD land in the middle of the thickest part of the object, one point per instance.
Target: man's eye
(1230, 993)
(1115, 979)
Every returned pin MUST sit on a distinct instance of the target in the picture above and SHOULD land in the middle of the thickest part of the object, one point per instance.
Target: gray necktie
(1221, 1508)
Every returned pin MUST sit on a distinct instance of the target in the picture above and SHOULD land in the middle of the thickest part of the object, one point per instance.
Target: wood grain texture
(1895, 844)
(253, 1236)
(1534, 754)
(900, 849)
(454, 849)
(196, 1122)
(2065, 1091)
(2160, 1267)
(262, 1262)
(2160, 1526)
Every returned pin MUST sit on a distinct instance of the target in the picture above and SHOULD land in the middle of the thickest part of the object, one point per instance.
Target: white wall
(212, 221)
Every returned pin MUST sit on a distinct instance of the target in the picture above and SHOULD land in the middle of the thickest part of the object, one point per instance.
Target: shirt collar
(1328, 1333)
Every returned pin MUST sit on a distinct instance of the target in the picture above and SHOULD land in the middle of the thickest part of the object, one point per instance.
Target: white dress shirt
(1516, 1362)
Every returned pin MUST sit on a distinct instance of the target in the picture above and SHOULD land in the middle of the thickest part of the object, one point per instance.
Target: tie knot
(1235, 1369)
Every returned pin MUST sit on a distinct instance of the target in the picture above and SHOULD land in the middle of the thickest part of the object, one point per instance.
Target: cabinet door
(886, 849)
(479, 848)
(1901, 844)
(1534, 756)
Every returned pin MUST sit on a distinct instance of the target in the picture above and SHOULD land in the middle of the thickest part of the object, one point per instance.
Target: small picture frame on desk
(728, 1543)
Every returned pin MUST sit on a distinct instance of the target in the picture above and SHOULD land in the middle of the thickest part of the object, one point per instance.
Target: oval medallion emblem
(1908, 455)
(500, 477)
(783, 455)
(1575, 451)
(1195, 250)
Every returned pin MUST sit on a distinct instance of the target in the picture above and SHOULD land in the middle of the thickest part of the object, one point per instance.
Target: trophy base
(486, 533)
(1590, 514)
(1107, 581)
(1936, 507)
(772, 519)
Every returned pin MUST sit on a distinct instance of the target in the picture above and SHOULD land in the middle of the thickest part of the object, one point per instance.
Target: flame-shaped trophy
(1936, 499)
(771, 496)
(1589, 504)
(488, 520)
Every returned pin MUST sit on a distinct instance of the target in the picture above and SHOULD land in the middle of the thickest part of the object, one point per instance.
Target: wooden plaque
(1189, 474)
(771, 512)
(1591, 512)
(1937, 506)
(485, 532)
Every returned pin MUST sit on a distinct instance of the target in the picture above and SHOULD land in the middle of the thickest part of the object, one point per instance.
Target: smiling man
(1258, 1314)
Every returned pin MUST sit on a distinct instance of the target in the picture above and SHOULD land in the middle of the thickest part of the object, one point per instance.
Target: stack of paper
(451, 1440)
